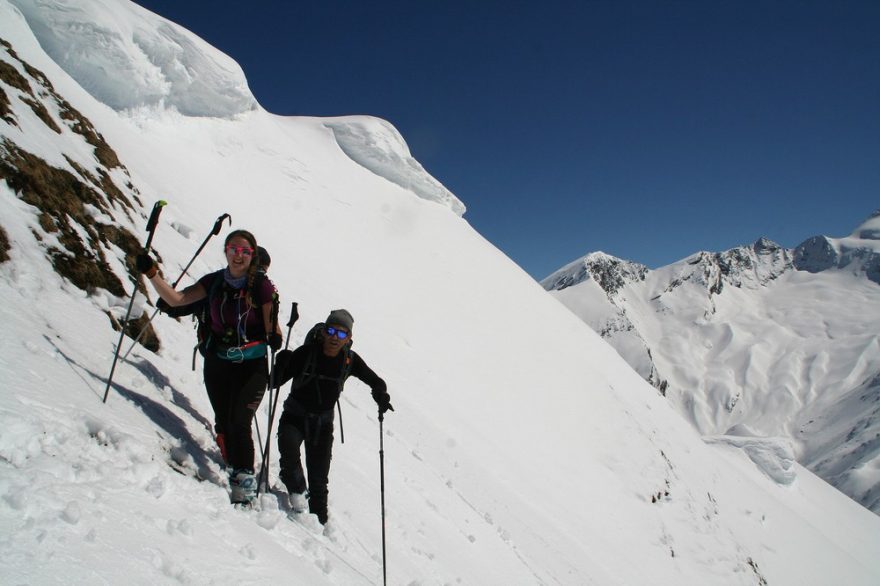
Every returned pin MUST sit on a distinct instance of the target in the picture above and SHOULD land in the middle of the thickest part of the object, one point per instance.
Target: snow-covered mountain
(756, 342)
(523, 449)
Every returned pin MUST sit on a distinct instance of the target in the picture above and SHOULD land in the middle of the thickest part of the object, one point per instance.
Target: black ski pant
(236, 390)
(315, 430)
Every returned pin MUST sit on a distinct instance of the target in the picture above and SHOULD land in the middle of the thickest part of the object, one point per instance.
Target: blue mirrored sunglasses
(334, 332)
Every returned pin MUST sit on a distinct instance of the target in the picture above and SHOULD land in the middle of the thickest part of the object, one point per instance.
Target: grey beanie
(340, 317)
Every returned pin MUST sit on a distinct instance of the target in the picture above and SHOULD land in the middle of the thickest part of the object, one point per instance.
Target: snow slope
(523, 449)
(758, 341)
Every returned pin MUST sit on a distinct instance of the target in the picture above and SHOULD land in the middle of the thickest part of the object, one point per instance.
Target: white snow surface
(522, 448)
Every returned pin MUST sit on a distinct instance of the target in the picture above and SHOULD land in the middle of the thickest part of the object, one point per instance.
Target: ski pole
(259, 438)
(214, 231)
(382, 485)
(264, 466)
(341, 429)
(294, 315)
(151, 231)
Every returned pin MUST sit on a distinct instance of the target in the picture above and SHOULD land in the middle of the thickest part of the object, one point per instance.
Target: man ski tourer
(318, 369)
(241, 325)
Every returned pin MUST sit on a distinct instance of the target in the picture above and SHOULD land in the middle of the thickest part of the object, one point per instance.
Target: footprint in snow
(72, 513)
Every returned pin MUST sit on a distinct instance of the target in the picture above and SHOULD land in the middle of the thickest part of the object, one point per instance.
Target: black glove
(162, 306)
(146, 265)
(384, 402)
(274, 339)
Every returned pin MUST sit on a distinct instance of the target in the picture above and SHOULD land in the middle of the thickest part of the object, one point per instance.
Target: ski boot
(243, 485)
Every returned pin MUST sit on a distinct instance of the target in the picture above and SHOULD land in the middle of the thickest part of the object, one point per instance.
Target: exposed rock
(73, 206)
(4, 245)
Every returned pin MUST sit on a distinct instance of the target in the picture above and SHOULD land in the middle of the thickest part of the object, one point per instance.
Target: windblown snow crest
(101, 42)
(377, 146)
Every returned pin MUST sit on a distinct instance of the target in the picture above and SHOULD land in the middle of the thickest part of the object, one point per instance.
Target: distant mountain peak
(870, 228)
(752, 265)
(860, 252)
(610, 272)
(764, 244)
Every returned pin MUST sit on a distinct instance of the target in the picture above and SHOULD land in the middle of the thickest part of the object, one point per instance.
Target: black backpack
(313, 340)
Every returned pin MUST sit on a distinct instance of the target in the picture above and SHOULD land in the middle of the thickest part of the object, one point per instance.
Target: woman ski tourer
(240, 330)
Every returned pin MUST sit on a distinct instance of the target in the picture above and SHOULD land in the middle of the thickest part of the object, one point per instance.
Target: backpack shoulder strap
(204, 333)
(346, 366)
(309, 370)
(255, 292)
(216, 285)
(256, 289)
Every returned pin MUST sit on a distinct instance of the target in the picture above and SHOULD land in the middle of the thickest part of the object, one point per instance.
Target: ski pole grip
(154, 219)
(219, 223)
(294, 314)
(154, 215)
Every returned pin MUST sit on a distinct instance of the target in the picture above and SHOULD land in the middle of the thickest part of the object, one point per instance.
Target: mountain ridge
(690, 306)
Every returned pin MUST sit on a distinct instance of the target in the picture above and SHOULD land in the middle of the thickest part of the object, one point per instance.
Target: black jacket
(318, 390)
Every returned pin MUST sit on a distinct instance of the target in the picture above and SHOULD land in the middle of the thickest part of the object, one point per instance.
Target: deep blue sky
(646, 129)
